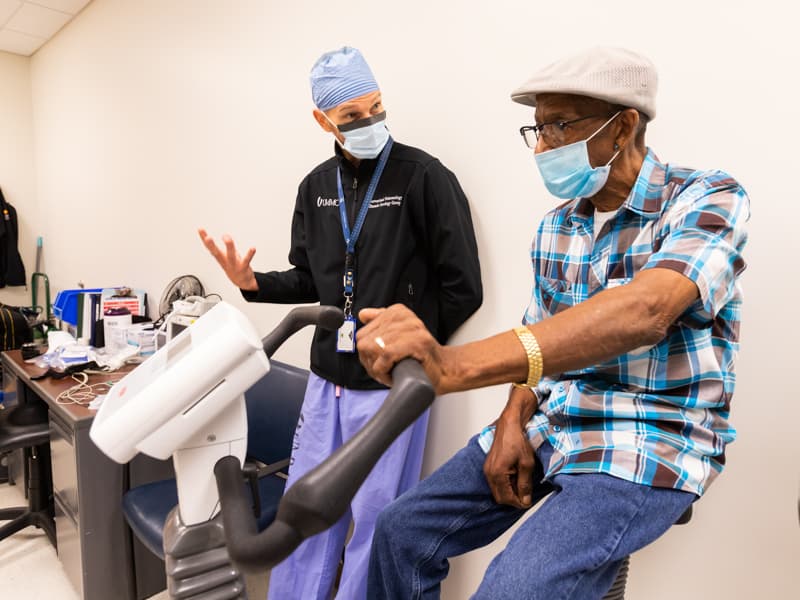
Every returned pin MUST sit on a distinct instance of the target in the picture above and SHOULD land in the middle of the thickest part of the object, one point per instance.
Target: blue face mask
(567, 172)
(365, 138)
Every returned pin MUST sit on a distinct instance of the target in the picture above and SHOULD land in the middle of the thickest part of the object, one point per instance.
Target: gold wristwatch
(531, 346)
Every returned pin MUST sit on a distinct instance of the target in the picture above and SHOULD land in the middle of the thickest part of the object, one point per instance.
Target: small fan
(178, 289)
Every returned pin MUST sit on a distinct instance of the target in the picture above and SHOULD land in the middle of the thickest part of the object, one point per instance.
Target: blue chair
(273, 409)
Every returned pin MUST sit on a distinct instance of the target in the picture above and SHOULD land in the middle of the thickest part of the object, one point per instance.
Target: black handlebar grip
(319, 499)
(237, 516)
(327, 317)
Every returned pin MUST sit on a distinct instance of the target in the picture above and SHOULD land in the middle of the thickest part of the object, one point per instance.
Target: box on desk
(134, 300)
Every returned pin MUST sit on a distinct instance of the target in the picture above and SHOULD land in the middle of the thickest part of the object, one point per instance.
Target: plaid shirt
(658, 415)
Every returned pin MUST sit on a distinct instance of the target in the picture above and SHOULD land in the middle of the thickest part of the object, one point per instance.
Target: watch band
(531, 347)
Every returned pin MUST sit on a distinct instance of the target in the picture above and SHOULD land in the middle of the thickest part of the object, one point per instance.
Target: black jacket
(417, 247)
(12, 271)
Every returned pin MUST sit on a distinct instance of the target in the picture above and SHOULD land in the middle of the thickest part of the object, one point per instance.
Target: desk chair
(26, 426)
(617, 591)
(273, 409)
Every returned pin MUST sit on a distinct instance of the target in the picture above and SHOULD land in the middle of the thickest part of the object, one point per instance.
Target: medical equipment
(187, 401)
(185, 312)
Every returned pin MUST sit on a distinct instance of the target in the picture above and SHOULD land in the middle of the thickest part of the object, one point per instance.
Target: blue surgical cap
(339, 76)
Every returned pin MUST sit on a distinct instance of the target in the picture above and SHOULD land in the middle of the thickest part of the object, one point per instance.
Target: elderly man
(378, 223)
(623, 369)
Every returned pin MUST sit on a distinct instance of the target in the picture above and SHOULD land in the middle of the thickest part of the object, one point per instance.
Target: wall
(156, 117)
(16, 164)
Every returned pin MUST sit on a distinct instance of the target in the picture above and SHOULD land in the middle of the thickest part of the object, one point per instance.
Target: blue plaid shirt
(658, 415)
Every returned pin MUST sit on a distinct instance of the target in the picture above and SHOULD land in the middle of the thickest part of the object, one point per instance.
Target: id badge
(346, 336)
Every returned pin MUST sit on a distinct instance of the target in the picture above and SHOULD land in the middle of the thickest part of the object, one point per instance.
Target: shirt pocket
(556, 294)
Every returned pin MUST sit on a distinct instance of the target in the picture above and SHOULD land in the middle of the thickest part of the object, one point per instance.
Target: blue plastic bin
(65, 306)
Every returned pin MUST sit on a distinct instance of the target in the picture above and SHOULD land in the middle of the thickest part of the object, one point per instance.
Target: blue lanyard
(350, 239)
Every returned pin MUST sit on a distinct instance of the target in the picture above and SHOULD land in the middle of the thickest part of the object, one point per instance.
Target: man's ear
(628, 126)
(320, 118)
(326, 125)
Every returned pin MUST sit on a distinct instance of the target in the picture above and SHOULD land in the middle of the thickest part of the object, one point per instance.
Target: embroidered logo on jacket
(385, 202)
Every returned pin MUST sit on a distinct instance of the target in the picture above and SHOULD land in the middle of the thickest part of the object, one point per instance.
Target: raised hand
(236, 267)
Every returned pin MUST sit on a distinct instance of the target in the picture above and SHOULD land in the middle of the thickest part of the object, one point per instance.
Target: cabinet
(103, 561)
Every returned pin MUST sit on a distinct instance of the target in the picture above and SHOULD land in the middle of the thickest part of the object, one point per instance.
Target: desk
(100, 556)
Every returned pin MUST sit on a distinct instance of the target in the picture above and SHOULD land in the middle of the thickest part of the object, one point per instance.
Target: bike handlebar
(318, 499)
(327, 317)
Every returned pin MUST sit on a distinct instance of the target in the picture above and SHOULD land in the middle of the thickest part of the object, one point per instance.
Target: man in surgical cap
(377, 224)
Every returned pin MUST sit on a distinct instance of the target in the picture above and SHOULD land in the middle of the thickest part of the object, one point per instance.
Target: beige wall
(16, 163)
(158, 116)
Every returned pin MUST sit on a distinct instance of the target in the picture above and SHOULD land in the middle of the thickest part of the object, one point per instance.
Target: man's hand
(236, 267)
(509, 464)
(392, 334)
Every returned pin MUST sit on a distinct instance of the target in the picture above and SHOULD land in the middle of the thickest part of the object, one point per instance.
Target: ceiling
(25, 25)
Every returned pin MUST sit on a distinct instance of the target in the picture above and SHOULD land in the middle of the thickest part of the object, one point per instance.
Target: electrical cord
(83, 393)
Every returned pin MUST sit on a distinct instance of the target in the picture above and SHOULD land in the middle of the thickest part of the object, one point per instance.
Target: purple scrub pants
(330, 417)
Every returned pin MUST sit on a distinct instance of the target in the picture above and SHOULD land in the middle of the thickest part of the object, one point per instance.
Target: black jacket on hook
(12, 271)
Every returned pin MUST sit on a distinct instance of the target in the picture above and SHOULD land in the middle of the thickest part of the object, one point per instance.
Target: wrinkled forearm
(605, 326)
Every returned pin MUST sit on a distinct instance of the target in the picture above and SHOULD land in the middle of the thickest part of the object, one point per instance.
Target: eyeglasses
(553, 132)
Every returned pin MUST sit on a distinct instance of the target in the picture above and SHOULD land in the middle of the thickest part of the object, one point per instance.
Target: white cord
(82, 393)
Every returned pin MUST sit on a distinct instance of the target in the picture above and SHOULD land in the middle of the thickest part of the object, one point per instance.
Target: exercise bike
(187, 401)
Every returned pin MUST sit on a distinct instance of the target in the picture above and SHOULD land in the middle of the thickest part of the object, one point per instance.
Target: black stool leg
(40, 497)
(39, 512)
(21, 518)
(617, 591)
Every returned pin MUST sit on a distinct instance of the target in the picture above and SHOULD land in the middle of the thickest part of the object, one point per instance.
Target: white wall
(16, 164)
(154, 117)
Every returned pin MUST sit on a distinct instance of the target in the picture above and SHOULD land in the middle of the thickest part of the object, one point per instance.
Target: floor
(30, 570)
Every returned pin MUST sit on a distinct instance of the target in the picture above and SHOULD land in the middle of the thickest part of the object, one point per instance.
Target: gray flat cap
(615, 75)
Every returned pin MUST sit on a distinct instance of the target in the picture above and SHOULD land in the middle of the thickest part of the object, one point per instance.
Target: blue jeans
(571, 548)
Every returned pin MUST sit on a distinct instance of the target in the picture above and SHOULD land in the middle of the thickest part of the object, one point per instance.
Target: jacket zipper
(355, 201)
